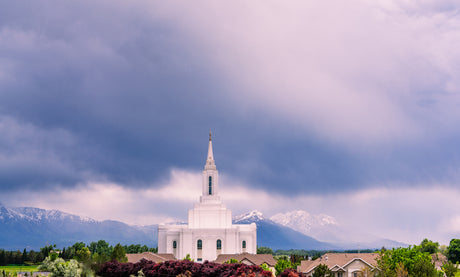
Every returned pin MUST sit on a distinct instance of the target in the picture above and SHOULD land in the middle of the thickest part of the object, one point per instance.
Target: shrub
(185, 267)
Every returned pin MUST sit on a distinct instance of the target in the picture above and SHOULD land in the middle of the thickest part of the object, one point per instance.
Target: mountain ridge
(35, 227)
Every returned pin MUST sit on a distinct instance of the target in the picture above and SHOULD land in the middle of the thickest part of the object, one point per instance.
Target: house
(210, 231)
(342, 264)
(249, 259)
(149, 256)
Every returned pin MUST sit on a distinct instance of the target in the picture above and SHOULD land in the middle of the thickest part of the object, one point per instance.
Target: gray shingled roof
(150, 256)
(338, 259)
(257, 259)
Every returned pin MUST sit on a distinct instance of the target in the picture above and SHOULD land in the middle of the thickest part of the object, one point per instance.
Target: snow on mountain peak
(250, 216)
(303, 221)
(37, 214)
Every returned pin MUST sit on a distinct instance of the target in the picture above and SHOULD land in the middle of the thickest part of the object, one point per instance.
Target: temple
(209, 231)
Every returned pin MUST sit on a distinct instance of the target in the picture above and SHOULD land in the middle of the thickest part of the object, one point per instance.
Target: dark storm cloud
(121, 92)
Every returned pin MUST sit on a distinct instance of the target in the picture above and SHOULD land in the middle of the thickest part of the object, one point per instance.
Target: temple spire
(210, 159)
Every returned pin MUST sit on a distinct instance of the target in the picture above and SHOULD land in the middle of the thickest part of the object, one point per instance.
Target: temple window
(210, 185)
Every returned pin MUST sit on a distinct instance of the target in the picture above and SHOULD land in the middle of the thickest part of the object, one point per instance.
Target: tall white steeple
(210, 164)
(210, 185)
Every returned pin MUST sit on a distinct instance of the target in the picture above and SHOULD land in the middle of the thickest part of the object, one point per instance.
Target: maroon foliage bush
(174, 268)
(289, 272)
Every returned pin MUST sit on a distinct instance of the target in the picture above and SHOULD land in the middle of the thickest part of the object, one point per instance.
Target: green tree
(424, 268)
(322, 270)
(401, 270)
(232, 261)
(83, 255)
(46, 250)
(78, 246)
(264, 250)
(296, 259)
(119, 254)
(60, 268)
(453, 251)
(24, 256)
(429, 246)
(402, 261)
(53, 255)
(187, 258)
(281, 265)
(450, 269)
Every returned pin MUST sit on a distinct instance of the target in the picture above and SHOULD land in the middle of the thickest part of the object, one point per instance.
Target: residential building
(342, 264)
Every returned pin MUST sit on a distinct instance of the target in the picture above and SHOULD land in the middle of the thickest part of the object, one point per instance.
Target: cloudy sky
(350, 109)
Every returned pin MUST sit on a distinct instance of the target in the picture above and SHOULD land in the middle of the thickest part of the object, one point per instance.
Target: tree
(402, 262)
(453, 251)
(450, 269)
(232, 261)
(296, 259)
(424, 268)
(401, 271)
(78, 246)
(119, 254)
(24, 255)
(187, 258)
(322, 270)
(429, 246)
(61, 268)
(84, 255)
(264, 250)
(281, 265)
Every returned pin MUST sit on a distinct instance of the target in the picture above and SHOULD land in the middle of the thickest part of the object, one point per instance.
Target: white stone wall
(187, 239)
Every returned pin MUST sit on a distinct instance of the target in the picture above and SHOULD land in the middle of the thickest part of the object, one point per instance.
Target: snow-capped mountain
(321, 226)
(33, 227)
(326, 228)
(252, 216)
(37, 215)
(277, 236)
(303, 221)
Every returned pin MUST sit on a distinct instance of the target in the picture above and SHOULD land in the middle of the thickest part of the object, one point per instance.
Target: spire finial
(210, 135)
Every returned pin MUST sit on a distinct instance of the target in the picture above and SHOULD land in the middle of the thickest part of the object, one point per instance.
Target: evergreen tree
(119, 254)
(2, 257)
(24, 256)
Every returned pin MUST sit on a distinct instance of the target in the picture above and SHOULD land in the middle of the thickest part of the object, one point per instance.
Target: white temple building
(209, 231)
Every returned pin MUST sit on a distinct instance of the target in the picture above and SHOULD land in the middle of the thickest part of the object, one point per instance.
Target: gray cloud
(122, 92)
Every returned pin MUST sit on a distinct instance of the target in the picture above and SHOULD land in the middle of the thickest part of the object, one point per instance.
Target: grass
(18, 268)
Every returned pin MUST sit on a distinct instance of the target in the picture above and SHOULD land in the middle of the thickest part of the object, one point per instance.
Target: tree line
(99, 251)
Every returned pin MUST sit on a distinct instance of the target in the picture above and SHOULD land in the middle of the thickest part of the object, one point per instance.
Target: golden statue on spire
(209, 134)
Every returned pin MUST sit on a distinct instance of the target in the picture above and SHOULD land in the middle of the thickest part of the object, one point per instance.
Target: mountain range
(33, 227)
(28, 227)
(326, 228)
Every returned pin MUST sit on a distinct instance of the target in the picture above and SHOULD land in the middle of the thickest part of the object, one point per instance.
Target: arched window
(244, 244)
(219, 244)
(210, 185)
(174, 244)
(199, 244)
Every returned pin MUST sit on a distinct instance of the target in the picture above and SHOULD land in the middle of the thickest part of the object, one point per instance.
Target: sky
(349, 109)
